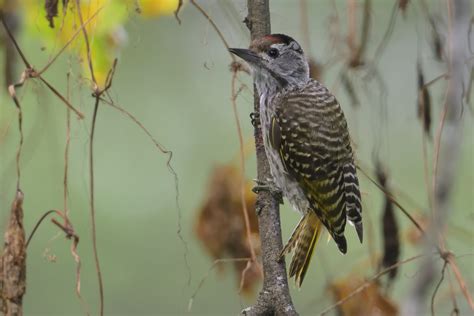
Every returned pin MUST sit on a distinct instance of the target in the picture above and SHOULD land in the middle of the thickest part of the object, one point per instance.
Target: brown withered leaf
(51, 7)
(220, 224)
(436, 39)
(369, 301)
(13, 277)
(424, 102)
(390, 235)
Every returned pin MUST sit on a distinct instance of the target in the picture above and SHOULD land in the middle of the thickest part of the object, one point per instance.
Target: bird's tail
(304, 238)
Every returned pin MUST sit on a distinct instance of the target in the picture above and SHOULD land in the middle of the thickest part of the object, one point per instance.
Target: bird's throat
(268, 84)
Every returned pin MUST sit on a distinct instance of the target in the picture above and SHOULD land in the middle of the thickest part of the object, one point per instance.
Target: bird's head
(275, 59)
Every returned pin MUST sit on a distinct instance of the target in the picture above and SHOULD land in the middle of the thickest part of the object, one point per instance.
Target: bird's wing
(311, 135)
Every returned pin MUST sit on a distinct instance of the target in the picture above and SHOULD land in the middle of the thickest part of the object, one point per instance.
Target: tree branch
(275, 297)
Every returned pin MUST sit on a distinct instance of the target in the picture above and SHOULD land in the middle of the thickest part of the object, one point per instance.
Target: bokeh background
(175, 79)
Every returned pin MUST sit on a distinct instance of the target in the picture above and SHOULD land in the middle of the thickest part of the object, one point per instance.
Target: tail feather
(360, 231)
(291, 244)
(303, 240)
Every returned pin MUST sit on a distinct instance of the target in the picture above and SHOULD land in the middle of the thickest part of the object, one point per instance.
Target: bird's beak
(246, 54)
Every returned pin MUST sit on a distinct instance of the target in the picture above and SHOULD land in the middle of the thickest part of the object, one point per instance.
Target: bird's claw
(270, 187)
(255, 118)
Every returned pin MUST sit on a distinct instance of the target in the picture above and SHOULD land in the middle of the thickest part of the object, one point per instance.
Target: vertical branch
(274, 297)
(96, 94)
(66, 149)
(92, 206)
(447, 149)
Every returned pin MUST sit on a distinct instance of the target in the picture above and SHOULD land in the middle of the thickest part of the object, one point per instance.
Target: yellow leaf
(152, 8)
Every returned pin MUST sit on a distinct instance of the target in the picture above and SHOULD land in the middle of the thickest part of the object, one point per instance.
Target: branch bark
(447, 151)
(274, 298)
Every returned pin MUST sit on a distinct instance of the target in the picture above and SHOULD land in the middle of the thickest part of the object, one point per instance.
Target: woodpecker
(307, 145)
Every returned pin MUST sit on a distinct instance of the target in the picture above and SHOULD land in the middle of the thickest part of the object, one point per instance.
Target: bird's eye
(273, 52)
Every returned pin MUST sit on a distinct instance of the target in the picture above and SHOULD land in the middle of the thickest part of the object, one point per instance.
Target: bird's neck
(269, 84)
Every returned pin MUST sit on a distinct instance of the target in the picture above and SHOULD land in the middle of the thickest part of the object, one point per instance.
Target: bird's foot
(268, 186)
(255, 119)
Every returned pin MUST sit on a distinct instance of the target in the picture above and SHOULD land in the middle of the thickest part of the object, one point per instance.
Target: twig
(68, 229)
(38, 223)
(11, 90)
(73, 37)
(12, 38)
(75, 242)
(358, 53)
(461, 282)
(61, 97)
(239, 129)
(92, 205)
(86, 40)
(388, 33)
(392, 198)
(71, 234)
(30, 72)
(452, 293)
(242, 169)
(437, 287)
(214, 26)
(178, 8)
(66, 149)
(96, 94)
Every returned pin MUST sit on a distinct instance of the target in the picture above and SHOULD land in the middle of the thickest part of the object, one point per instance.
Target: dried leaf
(51, 7)
(436, 40)
(424, 102)
(369, 301)
(13, 277)
(220, 224)
(391, 240)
